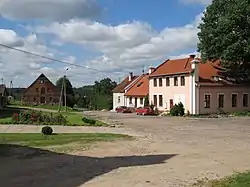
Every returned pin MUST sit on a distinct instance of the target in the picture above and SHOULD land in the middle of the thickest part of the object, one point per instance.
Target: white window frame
(205, 100)
(177, 80)
(232, 100)
(244, 93)
(119, 99)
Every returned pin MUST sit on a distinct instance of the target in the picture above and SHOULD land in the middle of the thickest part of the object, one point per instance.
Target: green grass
(236, 180)
(49, 107)
(40, 140)
(74, 119)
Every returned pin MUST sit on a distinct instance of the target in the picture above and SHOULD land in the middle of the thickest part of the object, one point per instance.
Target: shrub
(47, 130)
(177, 110)
(38, 117)
(89, 121)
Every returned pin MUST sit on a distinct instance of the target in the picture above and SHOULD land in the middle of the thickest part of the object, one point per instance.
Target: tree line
(95, 97)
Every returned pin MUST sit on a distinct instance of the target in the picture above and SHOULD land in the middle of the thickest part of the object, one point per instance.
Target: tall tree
(225, 35)
(69, 91)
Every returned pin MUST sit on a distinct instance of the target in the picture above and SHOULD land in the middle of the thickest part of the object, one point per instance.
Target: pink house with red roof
(201, 87)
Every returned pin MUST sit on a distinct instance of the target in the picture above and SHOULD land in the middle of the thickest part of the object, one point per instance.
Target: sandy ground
(168, 152)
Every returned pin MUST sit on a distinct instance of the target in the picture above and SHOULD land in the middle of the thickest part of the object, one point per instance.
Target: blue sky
(112, 36)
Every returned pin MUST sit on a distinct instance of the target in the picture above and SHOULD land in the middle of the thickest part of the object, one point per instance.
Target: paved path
(65, 129)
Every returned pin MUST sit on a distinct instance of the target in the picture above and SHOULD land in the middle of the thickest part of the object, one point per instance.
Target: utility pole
(65, 93)
(60, 101)
(2, 80)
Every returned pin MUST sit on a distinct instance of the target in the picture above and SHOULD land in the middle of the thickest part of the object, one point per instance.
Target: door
(171, 103)
(136, 102)
(42, 100)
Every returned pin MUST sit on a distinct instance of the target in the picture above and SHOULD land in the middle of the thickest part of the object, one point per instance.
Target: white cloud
(48, 9)
(203, 2)
(125, 46)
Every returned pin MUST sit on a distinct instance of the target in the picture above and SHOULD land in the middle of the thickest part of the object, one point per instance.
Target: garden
(34, 117)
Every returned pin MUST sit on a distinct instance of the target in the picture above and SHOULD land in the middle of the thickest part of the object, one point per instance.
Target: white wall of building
(118, 100)
(133, 103)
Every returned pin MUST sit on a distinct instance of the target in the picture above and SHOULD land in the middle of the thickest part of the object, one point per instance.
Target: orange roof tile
(140, 88)
(207, 71)
(120, 88)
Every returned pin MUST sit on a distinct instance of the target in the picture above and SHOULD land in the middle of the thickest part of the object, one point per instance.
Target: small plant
(177, 110)
(47, 130)
(89, 121)
(146, 101)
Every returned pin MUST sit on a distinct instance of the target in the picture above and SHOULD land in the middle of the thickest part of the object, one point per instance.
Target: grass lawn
(73, 118)
(10, 143)
(50, 107)
(236, 180)
(40, 140)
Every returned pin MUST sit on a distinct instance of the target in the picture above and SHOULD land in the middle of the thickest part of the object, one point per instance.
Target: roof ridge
(129, 86)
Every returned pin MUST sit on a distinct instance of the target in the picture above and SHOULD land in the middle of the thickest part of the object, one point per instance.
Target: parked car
(123, 109)
(144, 111)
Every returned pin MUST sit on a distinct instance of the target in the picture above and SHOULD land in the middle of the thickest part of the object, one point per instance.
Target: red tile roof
(120, 88)
(207, 71)
(140, 87)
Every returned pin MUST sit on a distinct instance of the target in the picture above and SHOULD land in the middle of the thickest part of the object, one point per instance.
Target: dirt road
(171, 152)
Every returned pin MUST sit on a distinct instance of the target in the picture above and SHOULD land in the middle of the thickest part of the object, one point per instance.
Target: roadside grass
(236, 180)
(59, 142)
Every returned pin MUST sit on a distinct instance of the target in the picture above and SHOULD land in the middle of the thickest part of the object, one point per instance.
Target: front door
(42, 100)
(136, 102)
(171, 103)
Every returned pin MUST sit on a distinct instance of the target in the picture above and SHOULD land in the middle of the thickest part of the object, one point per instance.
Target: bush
(38, 117)
(89, 121)
(47, 130)
(177, 110)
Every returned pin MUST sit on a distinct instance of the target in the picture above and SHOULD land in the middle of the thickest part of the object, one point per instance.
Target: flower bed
(38, 118)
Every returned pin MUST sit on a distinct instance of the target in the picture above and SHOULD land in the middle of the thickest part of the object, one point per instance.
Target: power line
(52, 59)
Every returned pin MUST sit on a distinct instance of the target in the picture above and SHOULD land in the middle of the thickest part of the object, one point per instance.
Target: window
(155, 82)
(155, 100)
(182, 80)
(167, 81)
(141, 101)
(221, 101)
(234, 100)
(130, 100)
(119, 99)
(207, 101)
(160, 101)
(42, 90)
(37, 90)
(160, 82)
(42, 81)
(245, 100)
(48, 90)
(176, 81)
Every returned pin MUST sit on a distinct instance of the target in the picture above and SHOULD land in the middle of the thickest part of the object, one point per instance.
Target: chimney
(194, 67)
(130, 76)
(192, 56)
(151, 69)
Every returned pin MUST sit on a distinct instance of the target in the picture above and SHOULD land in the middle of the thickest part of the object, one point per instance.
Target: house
(201, 87)
(41, 91)
(119, 91)
(135, 96)
(3, 96)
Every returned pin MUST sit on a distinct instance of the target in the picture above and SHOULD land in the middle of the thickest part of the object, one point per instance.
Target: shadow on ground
(23, 166)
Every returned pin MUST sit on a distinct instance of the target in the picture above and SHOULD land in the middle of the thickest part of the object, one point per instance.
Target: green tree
(146, 101)
(69, 91)
(225, 35)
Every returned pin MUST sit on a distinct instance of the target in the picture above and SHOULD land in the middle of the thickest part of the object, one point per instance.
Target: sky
(97, 38)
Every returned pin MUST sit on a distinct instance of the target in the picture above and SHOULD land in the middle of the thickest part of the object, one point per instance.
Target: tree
(69, 91)
(225, 35)
(146, 101)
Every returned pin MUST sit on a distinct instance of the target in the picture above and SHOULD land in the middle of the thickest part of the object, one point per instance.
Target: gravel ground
(168, 152)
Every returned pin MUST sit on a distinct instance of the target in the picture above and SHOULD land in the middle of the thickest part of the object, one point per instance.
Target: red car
(144, 111)
(123, 109)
